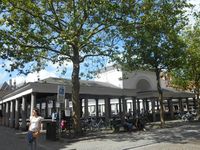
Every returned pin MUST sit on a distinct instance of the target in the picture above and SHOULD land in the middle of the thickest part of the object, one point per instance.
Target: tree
(152, 40)
(38, 31)
(187, 77)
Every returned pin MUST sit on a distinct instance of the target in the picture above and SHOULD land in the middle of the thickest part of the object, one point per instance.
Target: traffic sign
(61, 94)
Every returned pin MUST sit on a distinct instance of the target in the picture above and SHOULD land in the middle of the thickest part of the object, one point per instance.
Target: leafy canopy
(188, 75)
(153, 39)
(39, 31)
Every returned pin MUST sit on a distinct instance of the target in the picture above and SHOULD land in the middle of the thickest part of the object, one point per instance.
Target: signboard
(61, 94)
(67, 109)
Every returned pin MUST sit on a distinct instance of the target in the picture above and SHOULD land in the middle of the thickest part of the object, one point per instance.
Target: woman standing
(34, 129)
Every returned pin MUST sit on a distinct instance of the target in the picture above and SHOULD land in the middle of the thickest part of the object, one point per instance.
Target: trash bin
(51, 131)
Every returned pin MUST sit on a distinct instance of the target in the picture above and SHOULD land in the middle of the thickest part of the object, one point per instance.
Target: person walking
(34, 129)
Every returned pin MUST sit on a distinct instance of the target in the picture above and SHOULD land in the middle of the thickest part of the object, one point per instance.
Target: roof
(88, 88)
(67, 82)
(167, 93)
(5, 86)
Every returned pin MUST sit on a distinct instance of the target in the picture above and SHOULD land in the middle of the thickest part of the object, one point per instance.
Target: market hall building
(109, 94)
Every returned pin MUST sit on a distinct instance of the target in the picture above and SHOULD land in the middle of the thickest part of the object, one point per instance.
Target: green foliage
(188, 76)
(38, 31)
(153, 40)
(59, 30)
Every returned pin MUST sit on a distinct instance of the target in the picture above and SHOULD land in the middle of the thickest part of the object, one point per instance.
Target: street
(177, 136)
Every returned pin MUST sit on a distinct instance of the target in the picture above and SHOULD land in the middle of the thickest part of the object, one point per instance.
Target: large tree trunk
(75, 93)
(160, 98)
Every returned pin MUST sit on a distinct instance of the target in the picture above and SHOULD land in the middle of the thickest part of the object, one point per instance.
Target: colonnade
(18, 110)
(15, 111)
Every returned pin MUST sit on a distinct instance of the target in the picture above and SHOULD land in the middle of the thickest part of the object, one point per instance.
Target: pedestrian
(54, 115)
(34, 129)
(139, 123)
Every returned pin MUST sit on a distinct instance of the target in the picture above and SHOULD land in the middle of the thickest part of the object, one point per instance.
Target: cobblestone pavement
(176, 136)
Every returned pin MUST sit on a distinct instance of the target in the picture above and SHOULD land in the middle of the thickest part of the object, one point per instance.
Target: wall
(111, 76)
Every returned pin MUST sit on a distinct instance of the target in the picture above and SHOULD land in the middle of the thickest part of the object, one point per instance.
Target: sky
(51, 70)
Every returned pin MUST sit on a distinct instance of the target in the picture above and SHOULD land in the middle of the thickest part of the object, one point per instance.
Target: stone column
(46, 108)
(86, 114)
(187, 103)
(170, 106)
(180, 105)
(116, 109)
(120, 107)
(157, 104)
(11, 124)
(124, 105)
(144, 104)
(40, 108)
(4, 114)
(195, 103)
(153, 110)
(7, 113)
(138, 105)
(33, 102)
(97, 107)
(107, 109)
(16, 114)
(147, 105)
(54, 104)
(24, 113)
(134, 106)
(81, 107)
(1, 114)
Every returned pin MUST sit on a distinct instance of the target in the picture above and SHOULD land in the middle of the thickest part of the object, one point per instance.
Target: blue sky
(51, 70)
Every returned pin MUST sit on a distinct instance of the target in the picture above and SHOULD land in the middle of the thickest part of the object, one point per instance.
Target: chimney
(10, 84)
(14, 84)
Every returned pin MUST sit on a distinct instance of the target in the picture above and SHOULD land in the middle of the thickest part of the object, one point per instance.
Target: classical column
(138, 105)
(33, 102)
(7, 113)
(107, 109)
(170, 106)
(195, 103)
(97, 107)
(40, 108)
(16, 114)
(120, 107)
(54, 104)
(157, 104)
(24, 113)
(180, 105)
(134, 106)
(153, 109)
(187, 103)
(11, 124)
(116, 108)
(46, 108)
(144, 104)
(81, 107)
(147, 105)
(1, 114)
(124, 105)
(4, 114)
(86, 114)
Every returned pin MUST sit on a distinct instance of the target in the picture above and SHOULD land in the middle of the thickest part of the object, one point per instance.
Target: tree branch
(93, 55)
(48, 23)
(54, 12)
